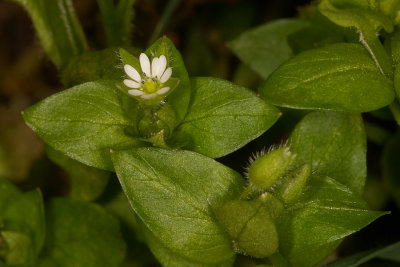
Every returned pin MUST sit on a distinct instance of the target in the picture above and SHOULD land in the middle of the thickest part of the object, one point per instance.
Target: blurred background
(200, 30)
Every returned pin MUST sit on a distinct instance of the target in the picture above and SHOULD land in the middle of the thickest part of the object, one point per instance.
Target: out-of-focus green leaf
(92, 66)
(319, 33)
(86, 183)
(265, 47)
(223, 117)
(26, 215)
(22, 224)
(339, 77)
(175, 194)
(117, 20)
(58, 28)
(9, 194)
(85, 122)
(81, 234)
(18, 251)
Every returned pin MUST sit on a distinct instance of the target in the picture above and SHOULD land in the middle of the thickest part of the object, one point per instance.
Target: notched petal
(167, 74)
(145, 64)
(131, 84)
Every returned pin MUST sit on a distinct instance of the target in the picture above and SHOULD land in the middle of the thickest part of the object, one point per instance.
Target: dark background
(199, 29)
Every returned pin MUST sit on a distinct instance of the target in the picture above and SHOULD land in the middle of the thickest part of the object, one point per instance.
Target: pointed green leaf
(334, 144)
(322, 221)
(223, 117)
(265, 47)
(175, 194)
(339, 77)
(85, 122)
(58, 27)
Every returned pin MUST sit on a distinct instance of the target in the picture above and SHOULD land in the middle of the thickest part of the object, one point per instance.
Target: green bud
(251, 227)
(291, 190)
(272, 204)
(267, 169)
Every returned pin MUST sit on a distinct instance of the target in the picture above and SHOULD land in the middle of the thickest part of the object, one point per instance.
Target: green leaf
(85, 122)
(81, 234)
(58, 28)
(223, 117)
(175, 194)
(331, 206)
(8, 194)
(22, 224)
(18, 250)
(391, 252)
(26, 215)
(85, 183)
(170, 258)
(339, 77)
(366, 20)
(334, 144)
(265, 47)
(319, 33)
(117, 20)
(368, 23)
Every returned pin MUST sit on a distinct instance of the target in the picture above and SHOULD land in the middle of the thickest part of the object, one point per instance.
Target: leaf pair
(206, 115)
(176, 194)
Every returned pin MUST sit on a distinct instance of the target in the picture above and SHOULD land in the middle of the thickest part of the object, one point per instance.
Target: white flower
(149, 85)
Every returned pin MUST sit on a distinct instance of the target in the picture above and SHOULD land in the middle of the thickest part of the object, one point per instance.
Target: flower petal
(167, 74)
(148, 96)
(162, 65)
(145, 64)
(132, 84)
(135, 92)
(132, 73)
(162, 91)
(155, 66)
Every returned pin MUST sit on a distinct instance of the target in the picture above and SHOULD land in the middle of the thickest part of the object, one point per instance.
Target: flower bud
(292, 189)
(267, 169)
(272, 204)
(251, 227)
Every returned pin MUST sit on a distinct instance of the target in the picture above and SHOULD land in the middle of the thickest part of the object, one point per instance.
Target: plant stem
(170, 8)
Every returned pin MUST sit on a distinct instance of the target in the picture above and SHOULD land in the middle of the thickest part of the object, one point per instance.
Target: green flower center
(151, 86)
